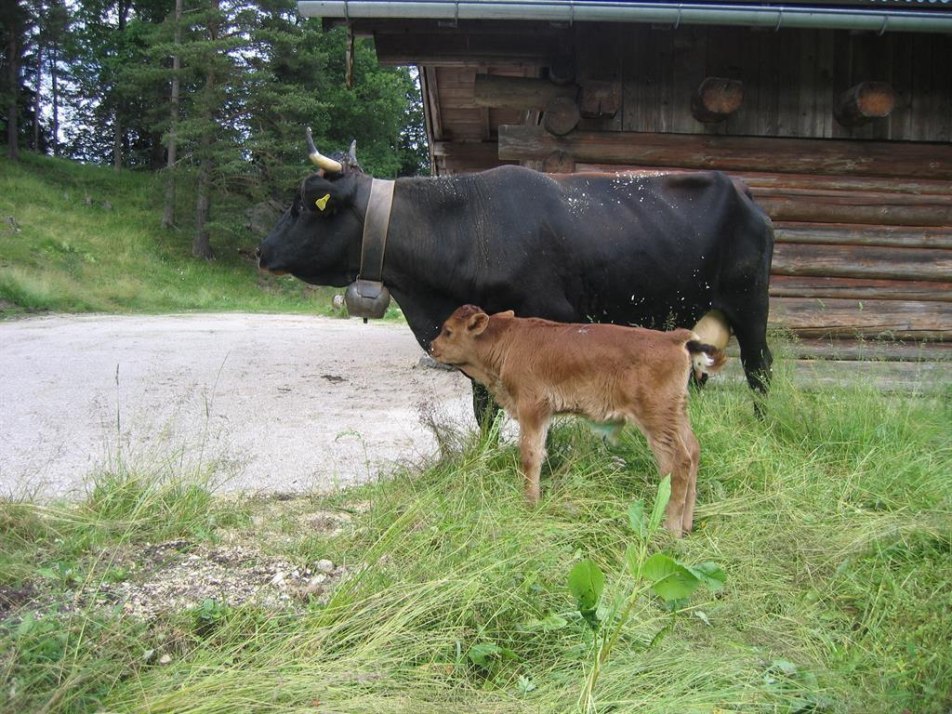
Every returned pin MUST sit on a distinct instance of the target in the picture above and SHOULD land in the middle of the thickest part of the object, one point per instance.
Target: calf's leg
(694, 453)
(674, 458)
(533, 427)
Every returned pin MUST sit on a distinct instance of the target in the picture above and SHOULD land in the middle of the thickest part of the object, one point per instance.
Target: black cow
(657, 251)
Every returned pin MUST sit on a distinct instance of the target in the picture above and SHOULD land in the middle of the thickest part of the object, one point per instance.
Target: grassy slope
(833, 520)
(90, 240)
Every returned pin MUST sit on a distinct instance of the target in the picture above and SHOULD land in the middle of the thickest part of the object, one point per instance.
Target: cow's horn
(318, 159)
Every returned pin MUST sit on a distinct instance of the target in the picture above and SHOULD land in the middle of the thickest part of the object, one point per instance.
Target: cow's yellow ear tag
(321, 203)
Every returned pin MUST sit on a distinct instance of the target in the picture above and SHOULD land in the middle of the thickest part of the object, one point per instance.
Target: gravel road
(271, 403)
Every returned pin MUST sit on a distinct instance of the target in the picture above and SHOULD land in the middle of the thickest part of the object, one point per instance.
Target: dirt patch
(178, 575)
(13, 598)
(262, 403)
(152, 580)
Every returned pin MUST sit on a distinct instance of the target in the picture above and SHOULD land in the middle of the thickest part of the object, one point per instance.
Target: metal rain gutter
(669, 13)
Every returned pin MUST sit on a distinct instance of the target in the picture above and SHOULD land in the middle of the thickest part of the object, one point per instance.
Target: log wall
(857, 256)
(792, 79)
(845, 139)
(863, 213)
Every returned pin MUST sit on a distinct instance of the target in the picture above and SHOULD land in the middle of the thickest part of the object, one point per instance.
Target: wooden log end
(600, 98)
(864, 102)
(558, 162)
(561, 116)
(716, 99)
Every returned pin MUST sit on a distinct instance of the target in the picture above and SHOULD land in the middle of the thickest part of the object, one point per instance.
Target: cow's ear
(323, 197)
(507, 313)
(322, 202)
(477, 323)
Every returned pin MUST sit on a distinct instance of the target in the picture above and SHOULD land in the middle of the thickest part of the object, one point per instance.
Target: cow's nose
(260, 257)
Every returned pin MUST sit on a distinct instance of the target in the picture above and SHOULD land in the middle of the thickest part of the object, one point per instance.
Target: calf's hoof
(674, 527)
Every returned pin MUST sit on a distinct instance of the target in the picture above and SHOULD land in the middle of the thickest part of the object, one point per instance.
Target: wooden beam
(859, 289)
(517, 92)
(831, 233)
(855, 207)
(912, 187)
(920, 377)
(864, 102)
(431, 103)
(467, 157)
(851, 261)
(716, 98)
(729, 153)
(864, 350)
(895, 319)
(402, 42)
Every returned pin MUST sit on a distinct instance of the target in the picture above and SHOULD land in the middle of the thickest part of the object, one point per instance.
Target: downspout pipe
(663, 13)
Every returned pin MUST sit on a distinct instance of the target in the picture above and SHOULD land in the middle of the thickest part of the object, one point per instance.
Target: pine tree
(299, 75)
(171, 138)
(118, 90)
(50, 34)
(15, 28)
(215, 93)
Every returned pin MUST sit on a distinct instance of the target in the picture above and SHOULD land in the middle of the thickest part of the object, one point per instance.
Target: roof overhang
(869, 15)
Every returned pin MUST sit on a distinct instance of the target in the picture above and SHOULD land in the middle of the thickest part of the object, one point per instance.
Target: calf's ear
(477, 323)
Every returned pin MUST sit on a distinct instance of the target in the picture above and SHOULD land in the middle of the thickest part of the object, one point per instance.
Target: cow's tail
(705, 359)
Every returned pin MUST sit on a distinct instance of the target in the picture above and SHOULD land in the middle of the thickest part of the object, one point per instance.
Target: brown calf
(536, 368)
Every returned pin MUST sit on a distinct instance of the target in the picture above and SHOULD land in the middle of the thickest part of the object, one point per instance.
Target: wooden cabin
(838, 115)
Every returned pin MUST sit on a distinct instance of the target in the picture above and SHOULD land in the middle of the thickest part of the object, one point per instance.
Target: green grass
(832, 519)
(76, 238)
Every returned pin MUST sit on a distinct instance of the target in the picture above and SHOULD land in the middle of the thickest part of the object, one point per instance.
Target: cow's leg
(533, 427)
(757, 359)
(485, 407)
(749, 324)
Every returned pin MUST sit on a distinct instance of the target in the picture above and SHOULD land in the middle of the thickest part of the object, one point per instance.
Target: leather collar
(376, 224)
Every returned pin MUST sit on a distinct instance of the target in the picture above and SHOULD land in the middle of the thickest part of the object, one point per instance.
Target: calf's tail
(705, 359)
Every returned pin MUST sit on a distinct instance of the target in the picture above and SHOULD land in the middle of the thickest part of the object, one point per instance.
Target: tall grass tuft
(70, 648)
(831, 518)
